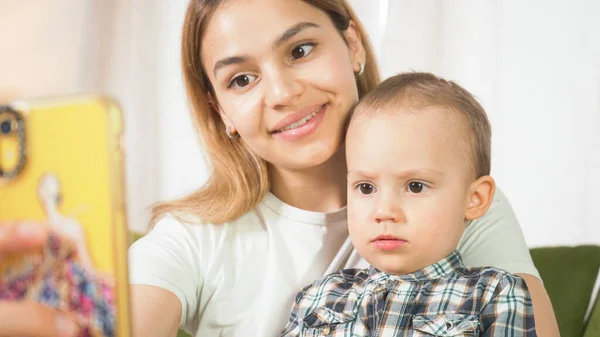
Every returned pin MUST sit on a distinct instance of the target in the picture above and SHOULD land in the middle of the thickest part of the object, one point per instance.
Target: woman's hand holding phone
(61, 163)
(28, 318)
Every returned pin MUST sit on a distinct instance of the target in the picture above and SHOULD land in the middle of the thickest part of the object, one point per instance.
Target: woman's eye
(302, 50)
(416, 187)
(366, 189)
(241, 81)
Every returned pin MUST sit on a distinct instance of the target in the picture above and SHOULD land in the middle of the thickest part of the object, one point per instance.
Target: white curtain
(534, 65)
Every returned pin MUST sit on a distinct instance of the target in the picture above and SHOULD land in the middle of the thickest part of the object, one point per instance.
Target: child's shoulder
(341, 284)
(332, 298)
(345, 278)
(485, 272)
(491, 278)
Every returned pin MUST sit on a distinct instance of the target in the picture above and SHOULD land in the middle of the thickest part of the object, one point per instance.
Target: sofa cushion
(569, 275)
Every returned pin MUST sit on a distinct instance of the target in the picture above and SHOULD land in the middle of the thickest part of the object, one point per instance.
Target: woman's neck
(319, 189)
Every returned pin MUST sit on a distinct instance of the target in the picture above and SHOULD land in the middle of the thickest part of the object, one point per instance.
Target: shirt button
(326, 331)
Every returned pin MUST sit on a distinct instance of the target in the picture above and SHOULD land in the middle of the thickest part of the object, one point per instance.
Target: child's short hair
(422, 90)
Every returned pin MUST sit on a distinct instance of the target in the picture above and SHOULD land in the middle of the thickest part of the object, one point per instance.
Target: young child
(418, 154)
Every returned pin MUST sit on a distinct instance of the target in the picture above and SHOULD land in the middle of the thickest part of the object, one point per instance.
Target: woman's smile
(303, 127)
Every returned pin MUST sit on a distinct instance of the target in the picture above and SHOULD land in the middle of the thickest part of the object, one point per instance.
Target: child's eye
(416, 187)
(241, 81)
(366, 189)
(302, 50)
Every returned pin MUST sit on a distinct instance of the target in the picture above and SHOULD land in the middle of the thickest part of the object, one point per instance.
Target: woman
(271, 83)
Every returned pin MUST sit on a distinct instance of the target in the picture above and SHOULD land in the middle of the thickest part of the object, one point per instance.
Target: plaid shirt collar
(445, 266)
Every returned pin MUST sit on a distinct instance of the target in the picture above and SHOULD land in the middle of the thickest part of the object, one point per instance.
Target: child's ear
(479, 198)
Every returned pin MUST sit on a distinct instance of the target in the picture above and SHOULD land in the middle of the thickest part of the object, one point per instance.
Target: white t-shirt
(241, 278)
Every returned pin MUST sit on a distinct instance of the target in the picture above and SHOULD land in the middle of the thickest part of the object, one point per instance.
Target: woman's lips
(304, 130)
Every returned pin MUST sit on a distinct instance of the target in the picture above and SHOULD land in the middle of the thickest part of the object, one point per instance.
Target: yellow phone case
(61, 162)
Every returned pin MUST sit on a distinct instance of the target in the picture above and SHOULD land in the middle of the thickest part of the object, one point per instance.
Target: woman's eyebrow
(281, 39)
(292, 31)
(222, 63)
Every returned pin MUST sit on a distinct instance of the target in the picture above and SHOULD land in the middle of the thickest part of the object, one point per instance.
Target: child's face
(408, 182)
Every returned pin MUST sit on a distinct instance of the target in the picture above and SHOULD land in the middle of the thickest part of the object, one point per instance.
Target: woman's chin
(304, 160)
(307, 155)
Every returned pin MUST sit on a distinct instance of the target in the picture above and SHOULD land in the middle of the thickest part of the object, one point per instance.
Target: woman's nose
(282, 88)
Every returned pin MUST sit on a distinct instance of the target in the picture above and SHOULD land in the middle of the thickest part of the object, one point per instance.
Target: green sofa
(569, 275)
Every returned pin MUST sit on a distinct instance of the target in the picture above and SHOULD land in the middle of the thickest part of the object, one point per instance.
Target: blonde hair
(421, 90)
(239, 179)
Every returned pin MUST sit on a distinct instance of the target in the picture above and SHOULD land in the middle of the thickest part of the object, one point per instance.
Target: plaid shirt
(444, 299)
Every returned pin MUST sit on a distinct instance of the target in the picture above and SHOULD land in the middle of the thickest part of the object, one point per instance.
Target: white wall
(534, 65)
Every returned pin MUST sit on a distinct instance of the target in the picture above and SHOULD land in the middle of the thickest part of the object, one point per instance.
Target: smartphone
(61, 164)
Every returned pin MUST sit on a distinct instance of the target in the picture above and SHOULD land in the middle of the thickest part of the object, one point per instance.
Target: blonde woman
(270, 84)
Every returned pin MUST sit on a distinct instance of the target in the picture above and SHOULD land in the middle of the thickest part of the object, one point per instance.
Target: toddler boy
(418, 154)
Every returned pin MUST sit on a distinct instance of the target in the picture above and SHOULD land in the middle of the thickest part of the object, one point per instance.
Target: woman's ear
(479, 198)
(213, 102)
(215, 106)
(358, 55)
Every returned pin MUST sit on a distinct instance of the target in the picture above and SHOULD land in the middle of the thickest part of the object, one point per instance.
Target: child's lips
(388, 242)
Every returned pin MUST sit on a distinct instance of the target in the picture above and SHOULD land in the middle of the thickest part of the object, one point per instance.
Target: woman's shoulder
(179, 244)
(496, 239)
(192, 227)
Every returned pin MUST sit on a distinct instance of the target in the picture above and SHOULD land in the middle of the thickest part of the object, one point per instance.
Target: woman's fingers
(32, 319)
(21, 237)
(28, 318)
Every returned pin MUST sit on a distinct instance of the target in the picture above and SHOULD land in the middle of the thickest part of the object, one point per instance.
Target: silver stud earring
(362, 69)
(229, 133)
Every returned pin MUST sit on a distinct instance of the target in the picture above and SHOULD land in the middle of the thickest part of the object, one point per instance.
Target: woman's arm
(496, 240)
(545, 321)
(155, 312)
(165, 279)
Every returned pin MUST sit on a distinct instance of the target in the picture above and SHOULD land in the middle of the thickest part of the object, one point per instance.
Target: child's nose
(388, 211)
(383, 215)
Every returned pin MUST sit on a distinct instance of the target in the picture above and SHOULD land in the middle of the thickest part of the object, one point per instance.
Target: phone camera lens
(6, 127)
